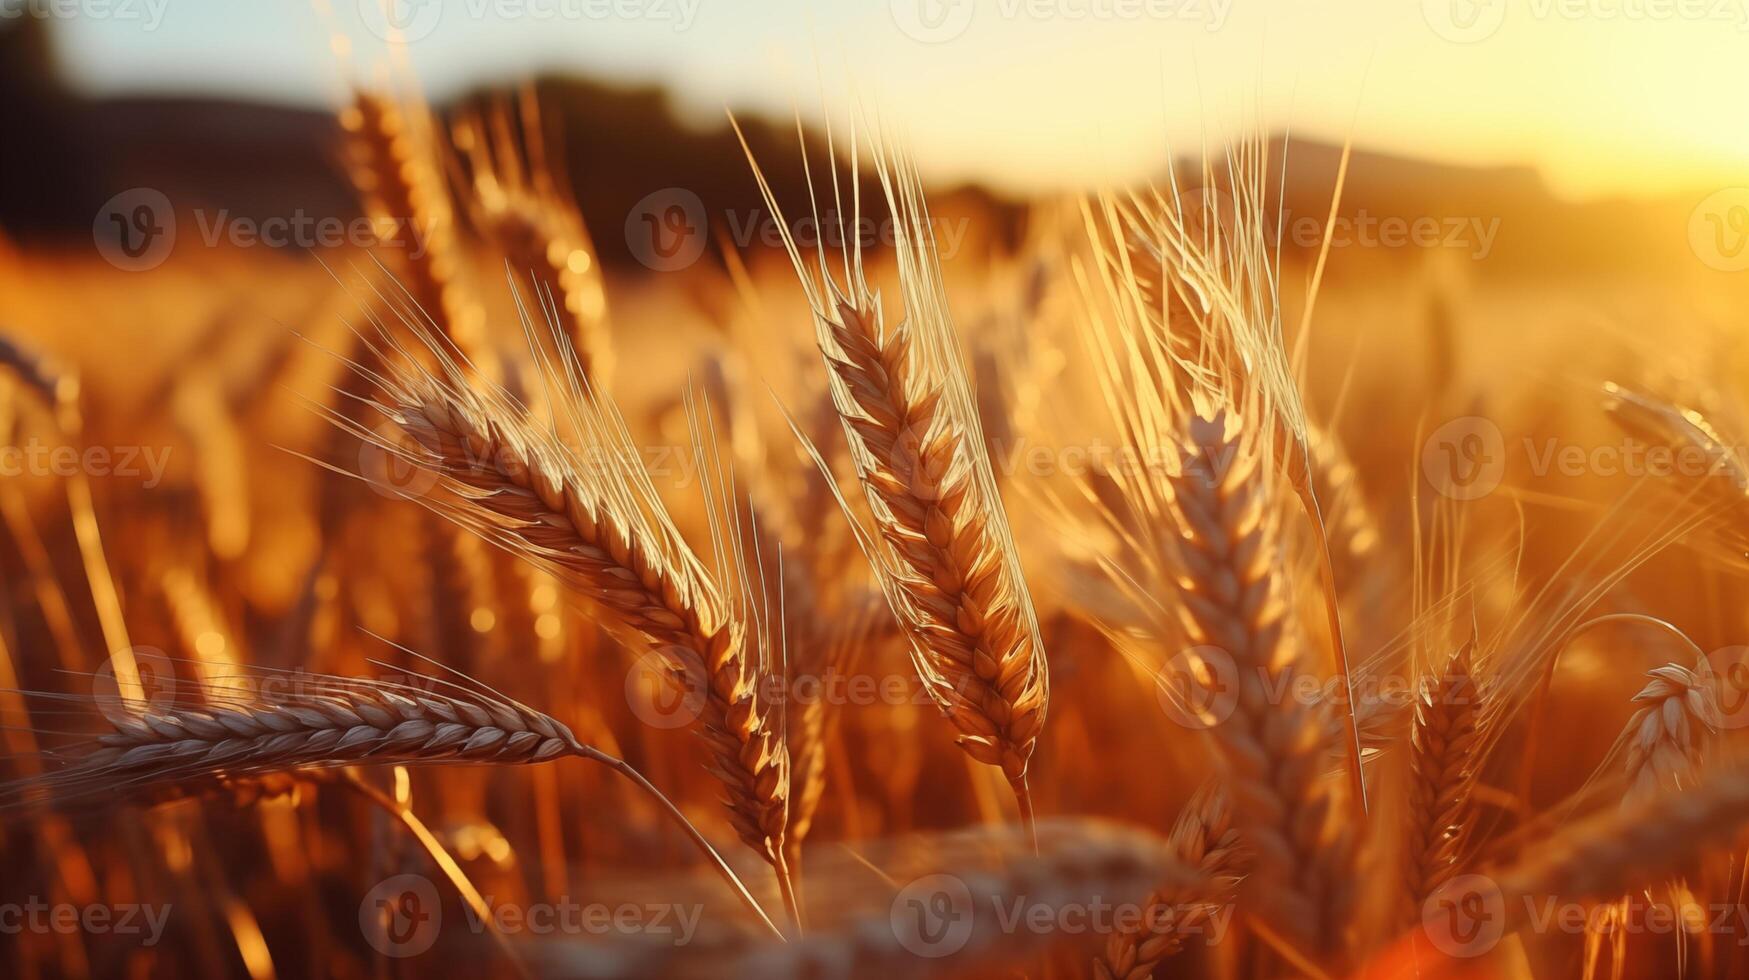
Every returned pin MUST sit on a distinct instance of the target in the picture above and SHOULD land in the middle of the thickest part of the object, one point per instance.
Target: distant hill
(621, 144)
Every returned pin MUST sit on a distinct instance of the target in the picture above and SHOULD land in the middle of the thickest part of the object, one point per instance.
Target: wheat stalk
(941, 547)
(1445, 743)
(1205, 840)
(592, 519)
(1273, 745)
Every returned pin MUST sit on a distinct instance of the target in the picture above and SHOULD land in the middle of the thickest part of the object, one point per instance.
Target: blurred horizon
(1631, 97)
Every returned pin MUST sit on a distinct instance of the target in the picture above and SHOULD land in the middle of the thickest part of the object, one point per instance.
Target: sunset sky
(1607, 96)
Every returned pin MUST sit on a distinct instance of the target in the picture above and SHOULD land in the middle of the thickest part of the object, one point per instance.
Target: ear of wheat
(1205, 840)
(1666, 735)
(1215, 255)
(515, 200)
(320, 721)
(259, 734)
(1273, 746)
(941, 546)
(890, 925)
(1444, 758)
(1721, 491)
(393, 164)
(1606, 854)
(591, 517)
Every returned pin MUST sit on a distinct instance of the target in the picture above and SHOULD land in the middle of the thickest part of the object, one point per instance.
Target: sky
(1606, 97)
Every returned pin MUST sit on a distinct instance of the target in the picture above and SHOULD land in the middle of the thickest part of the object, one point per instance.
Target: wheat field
(1142, 587)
